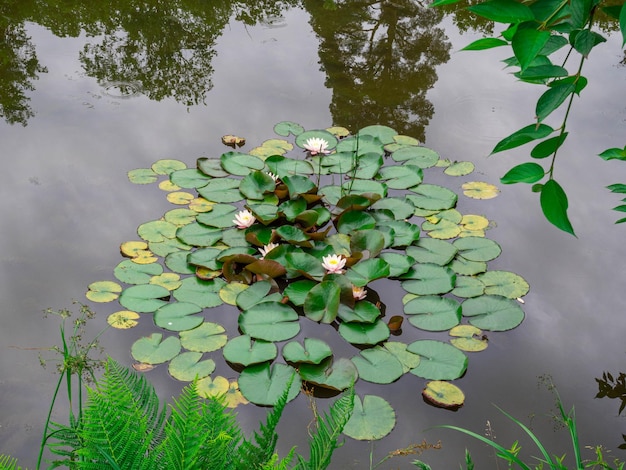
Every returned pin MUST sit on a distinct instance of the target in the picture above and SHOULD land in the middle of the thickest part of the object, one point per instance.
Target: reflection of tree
(615, 388)
(380, 60)
(18, 68)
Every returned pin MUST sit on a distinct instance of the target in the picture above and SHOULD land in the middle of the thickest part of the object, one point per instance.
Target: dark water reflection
(228, 68)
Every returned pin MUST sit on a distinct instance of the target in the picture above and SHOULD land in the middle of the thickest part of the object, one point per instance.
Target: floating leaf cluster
(290, 237)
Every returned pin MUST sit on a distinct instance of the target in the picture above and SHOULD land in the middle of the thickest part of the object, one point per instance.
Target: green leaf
(548, 147)
(399, 263)
(541, 72)
(523, 136)
(283, 166)
(438, 3)
(302, 138)
(459, 169)
(363, 312)
(468, 338)
(527, 43)
(264, 385)
(256, 184)
(485, 43)
(187, 366)
(614, 154)
(285, 128)
(200, 292)
(408, 359)
(477, 248)
(334, 375)
(298, 184)
(322, 302)
(617, 188)
(378, 365)
(368, 270)
(142, 176)
(443, 394)
(189, 178)
(433, 313)
(401, 177)
(314, 351)
(554, 206)
(432, 197)
(197, 234)
(205, 338)
(383, 133)
(430, 250)
(221, 190)
(584, 40)
(401, 207)
(244, 350)
(468, 286)
(371, 419)
(503, 11)
(240, 164)
(151, 350)
(622, 24)
(428, 279)
(352, 220)
(493, 313)
(157, 231)
(372, 241)
(439, 360)
(504, 283)
(364, 333)
(298, 290)
(178, 316)
(221, 216)
(552, 99)
(144, 298)
(523, 173)
(132, 273)
(418, 156)
(271, 321)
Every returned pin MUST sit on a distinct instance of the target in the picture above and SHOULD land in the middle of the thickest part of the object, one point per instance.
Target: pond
(92, 93)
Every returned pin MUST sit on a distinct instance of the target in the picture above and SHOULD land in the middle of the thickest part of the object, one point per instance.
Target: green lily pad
(493, 313)
(314, 351)
(442, 230)
(197, 234)
(285, 128)
(428, 279)
(364, 333)
(178, 316)
(361, 145)
(205, 338)
(355, 220)
(103, 291)
(430, 250)
(398, 263)
(359, 186)
(180, 217)
(367, 165)
(443, 394)
(157, 231)
(302, 138)
(504, 283)
(439, 360)
(187, 366)
(404, 233)
(205, 294)
(459, 169)
(400, 207)
(167, 166)
(142, 176)
(282, 166)
(378, 365)
(371, 419)
(465, 267)
(253, 294)
(245, 351)
(133, 273)
(419, 156)
(171, 245)
(211, 167)
(177, 262)
(368, 270)
(240, 164)
(384, 134)
(432, 197)
(468, 338)
(220, 216)
(372, 241)
(189, 178)
(256, 184)
(363, 312)
(221, 190)
(264, 385)
(477, 248)
(271, 321)
(151, 350)
(144, 298)
(298, 290)
(334, 375)
(408, 359)
(433, 313)
(401, 177)
(468, 286)
(322, 302)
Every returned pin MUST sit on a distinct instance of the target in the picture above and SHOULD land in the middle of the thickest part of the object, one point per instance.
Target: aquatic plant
(536, 32)
(291, 239)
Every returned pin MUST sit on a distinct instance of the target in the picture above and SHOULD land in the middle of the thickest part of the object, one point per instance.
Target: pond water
(100, 92)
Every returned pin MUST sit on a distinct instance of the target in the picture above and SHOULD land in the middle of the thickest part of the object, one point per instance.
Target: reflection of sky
(67, 206)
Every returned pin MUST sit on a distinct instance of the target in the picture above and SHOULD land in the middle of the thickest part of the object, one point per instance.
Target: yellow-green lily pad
(443, 394)
(103, 291)
(468, 338)
(123, 320)
(220, 386)
(371, 419)
(480, 190)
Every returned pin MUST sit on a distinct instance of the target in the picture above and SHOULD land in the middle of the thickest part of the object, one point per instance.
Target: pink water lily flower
(267, 248)
(333, 264)
(316, 145)
(359, 293)
(244, 219)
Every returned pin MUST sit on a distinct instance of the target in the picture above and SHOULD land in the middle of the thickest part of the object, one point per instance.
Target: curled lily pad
(263, 384)
(188, 366)
(371, 419)
(439, 360)
(314, 351)
(245, 351)
(443, 394)
(298, 290)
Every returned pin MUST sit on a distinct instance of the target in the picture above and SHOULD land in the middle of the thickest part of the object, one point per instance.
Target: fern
(326, 439)
(8, 463)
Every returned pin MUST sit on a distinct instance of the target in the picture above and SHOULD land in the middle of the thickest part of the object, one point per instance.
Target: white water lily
(333, 264)
(359, 293)
(273, 176)
(267, 248)
(244, 219)
(316, 145)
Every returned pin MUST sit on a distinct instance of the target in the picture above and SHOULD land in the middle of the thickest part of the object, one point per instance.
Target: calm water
(106, 94)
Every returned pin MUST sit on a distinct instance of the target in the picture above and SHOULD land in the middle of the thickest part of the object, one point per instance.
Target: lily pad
(334, 375)
(282, 166)
(314, 351)
(240, 164)
(189, 178)
(432, 197)
(504, 283)
(480, 190)
(205, 338)
(401, 177)
(285, 128)
(103, 291)
(459, 169)
(493, 313)
(368, 270)
(264, 385)
(384, 134)
(167, 166)
(178, 316)
(364, 333)
(399, 263)
(202, 293)
(221, 190)
(142, 176)
(430, 250)
(468, 338)
(419, 156)
(401, 207)
(220, 386)
(428, 279)
(468, 268)
(170, 281)
(298, 290)
(245, 351)
(439, 360)
(363, 312)
(468, 286)
(408, 359)
(144, 298)
(443, 394)
(157, 231)
(378, 365)
(477, 248)
(151, 350)
(270, 321)
(200, 235)
(433, 313)
(187, 366)
(371, 419)
(123, 319)
(322, 302)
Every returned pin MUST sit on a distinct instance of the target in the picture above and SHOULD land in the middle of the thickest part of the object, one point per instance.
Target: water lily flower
(359, 293)
(267, 248)
(273, 176)
(316, 145)
(244, 219)
(333, 264)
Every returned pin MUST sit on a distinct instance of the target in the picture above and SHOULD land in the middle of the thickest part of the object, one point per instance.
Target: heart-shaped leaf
(264, 385)
(271, 321)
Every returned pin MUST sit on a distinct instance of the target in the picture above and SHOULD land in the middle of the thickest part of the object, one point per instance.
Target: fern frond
(222, 436)
(8, 463)
(329, 427)
(256, 455)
